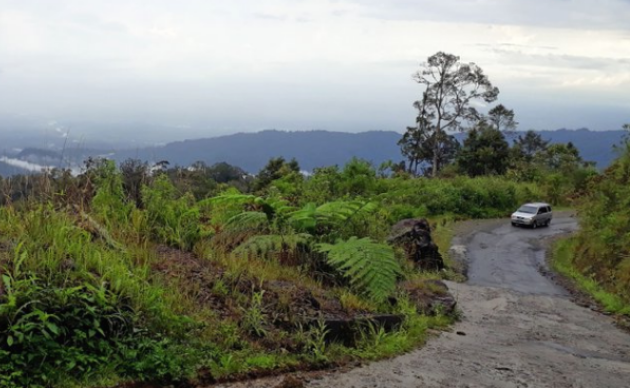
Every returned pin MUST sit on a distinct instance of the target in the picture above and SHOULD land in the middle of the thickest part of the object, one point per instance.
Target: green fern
(370, 266)
(247, 221)
(305, 218)
(230, 199)
(329, 213)
(263, 245)
(344, 210)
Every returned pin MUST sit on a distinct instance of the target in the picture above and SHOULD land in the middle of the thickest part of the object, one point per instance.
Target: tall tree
(502, 118)
(422, 145)
(450, 89)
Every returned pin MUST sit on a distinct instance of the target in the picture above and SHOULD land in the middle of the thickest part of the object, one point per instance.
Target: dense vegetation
(598, 257)
(163, 274)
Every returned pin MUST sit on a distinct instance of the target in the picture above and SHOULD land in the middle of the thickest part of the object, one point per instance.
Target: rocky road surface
(518, 329)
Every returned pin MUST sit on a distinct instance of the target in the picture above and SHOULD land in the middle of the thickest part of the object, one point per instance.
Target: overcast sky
(205, 67)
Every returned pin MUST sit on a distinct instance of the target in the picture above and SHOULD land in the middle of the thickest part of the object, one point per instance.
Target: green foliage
(109, 202)
(370, 266)
(175, 221)
(330, 214)
(253, 319)
(263, 245)
(275, 169)
(49, 334)
(564, 260)
(485, 152)
(316, 341)
(602, 246)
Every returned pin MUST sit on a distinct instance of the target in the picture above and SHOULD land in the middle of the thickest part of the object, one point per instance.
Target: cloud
(336, 64)
(22, 164)
(606, 14)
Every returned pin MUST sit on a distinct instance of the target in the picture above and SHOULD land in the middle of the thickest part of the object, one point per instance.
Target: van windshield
(528, 209)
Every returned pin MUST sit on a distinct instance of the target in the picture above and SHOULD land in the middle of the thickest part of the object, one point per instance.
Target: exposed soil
(519, 328)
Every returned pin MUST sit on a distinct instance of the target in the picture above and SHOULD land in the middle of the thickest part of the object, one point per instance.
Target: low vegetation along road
(518, 328)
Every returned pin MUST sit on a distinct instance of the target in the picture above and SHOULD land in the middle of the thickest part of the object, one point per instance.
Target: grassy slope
(563, 262)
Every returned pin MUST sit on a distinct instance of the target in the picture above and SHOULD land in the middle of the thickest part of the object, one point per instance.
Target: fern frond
(343, 210)
(370, 266)
(262, 245)
(229, 200)
(305, 218)
(329, 213)
(247, 221)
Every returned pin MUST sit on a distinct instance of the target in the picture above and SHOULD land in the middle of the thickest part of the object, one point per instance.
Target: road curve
(518, 328)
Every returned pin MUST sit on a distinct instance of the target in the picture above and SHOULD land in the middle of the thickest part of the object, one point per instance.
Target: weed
(316, 341)
(253, 319)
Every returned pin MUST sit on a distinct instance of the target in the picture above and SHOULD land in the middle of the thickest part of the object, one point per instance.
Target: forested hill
(251, 151)
(313, 149)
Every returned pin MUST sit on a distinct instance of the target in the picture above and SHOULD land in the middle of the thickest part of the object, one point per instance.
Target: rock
(414, 235)
(429, 296)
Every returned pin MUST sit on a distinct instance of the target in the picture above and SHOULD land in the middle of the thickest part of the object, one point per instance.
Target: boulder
(429, 296)
(414, 236)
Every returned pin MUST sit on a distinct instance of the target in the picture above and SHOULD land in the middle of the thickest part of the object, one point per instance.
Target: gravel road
(518, 328)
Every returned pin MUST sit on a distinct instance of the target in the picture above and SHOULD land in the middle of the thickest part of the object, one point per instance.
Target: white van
(533, 214)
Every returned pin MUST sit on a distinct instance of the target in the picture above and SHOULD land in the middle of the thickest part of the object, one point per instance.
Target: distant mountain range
(312, 149)
(251, 151)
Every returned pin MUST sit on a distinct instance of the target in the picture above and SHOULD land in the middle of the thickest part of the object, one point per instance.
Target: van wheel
(535, 225)
(547, 223)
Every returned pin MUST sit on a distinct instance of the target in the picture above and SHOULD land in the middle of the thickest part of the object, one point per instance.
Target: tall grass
(563, 261)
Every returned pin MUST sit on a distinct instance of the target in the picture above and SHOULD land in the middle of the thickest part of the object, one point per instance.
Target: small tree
(528, 146)
(450, 89)
(276, 168)
(502, 118)
(485, 152)
(135, 174)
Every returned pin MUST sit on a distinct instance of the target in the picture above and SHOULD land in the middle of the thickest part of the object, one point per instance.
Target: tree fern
(229, 199)
(247, 221)
(370, 266)
(305, 218)
(329, 213)
(343, 210)
(263, 245)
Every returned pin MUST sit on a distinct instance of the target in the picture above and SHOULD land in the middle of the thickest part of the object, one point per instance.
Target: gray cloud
(552, 60)
(605, 14)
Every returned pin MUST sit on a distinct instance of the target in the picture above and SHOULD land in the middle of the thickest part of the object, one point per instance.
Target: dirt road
(518, 329)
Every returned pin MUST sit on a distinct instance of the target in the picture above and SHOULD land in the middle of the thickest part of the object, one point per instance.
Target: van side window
(541, 210)
(549, 208)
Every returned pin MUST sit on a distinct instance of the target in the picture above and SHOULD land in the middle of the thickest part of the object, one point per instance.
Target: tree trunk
(436, 151)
